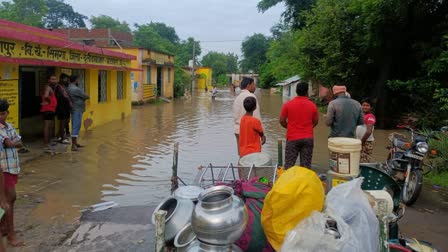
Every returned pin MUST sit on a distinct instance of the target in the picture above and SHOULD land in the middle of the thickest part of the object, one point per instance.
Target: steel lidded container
(219, 217)
(178, 215)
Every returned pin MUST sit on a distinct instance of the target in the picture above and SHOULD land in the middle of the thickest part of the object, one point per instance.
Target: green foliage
(181, 81)
(440, 179)
(165, 31)
(379, 48)
(184, 51)
(254, 50)
(292, 12)
(282, 62)
(104, 21)
(222, 80)
(440, 161)
(62, 15)
(220, 63)
(29, 12)
(147, 36)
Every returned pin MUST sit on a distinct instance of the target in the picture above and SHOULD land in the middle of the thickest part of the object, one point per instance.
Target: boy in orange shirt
(250, 129)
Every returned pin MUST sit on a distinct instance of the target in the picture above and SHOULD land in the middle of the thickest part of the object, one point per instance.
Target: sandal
(23, 150)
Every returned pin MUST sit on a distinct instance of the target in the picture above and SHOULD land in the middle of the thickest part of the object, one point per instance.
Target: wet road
(130, 161)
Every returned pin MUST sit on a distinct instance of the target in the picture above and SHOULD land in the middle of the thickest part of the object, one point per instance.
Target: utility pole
(192, 69)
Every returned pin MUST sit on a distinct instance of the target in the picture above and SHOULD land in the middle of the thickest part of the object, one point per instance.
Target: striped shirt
(9, 157)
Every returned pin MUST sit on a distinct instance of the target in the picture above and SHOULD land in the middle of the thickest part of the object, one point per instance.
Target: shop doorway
(159, 81)
(31, 82)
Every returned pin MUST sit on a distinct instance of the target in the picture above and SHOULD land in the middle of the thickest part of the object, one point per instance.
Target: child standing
(250, 129)
(214, 92)
(9, 165)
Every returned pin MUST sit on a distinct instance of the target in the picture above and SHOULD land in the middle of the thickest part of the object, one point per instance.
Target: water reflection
(130, 161)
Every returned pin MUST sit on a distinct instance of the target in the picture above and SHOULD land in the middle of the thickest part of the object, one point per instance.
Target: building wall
(98, 113)
(141, 90)
(201, 83)
(9, 89)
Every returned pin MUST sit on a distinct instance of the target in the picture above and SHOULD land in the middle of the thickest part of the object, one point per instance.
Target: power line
(220, 41)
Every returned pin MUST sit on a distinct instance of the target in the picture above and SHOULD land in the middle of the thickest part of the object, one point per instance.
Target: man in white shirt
(247, 87)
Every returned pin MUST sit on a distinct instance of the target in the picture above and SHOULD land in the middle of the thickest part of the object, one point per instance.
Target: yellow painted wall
(112, 109)
(9, 89)
(141, 93)
(207, 71)
(96, 113)
(168, 85)
(137, 78)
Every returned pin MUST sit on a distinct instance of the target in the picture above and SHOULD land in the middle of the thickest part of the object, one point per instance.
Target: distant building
(29, 54)
(155, 77)
(235, 78)
(104, 37)
(204, 77)
(154, 70)
(289, 86)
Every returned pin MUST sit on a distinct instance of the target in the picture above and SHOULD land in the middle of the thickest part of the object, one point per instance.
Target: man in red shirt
(299, 116)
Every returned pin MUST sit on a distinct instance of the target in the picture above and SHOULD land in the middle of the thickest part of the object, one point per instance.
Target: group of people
(64, 100)
(345, 116)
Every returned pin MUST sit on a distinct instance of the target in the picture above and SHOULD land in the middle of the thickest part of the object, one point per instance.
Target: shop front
(28, 55)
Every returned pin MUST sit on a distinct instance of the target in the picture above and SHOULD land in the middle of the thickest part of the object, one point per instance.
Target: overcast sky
(205, 20)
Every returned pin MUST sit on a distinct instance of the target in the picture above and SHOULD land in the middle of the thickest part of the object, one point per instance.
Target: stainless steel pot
(184, 238)
(188, 192)
(219, 217)
(178, 215)
(198, 246)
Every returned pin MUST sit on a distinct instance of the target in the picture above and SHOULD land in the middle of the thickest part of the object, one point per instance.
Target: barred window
(120, 81)
(102, 86)
(81, 73)
(148, 75)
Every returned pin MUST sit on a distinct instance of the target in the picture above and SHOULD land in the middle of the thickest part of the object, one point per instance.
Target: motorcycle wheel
(411, 192)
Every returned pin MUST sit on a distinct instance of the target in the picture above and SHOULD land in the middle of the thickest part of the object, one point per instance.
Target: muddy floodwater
(129, 161)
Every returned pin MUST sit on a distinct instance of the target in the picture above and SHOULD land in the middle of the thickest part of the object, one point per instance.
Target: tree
(282, 60)
(29, 12)
(221, 63)
(165, 31)
(232, 63)
(184, 51)
(254, 50)
(147, 36)
(292, 12)
(62, 15)
(104, 21)
(378, 48)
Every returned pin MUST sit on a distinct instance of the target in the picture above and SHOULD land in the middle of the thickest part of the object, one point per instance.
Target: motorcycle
(405, 162)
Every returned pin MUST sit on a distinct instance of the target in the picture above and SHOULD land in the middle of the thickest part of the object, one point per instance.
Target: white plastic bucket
(257, 159)
(345, 154)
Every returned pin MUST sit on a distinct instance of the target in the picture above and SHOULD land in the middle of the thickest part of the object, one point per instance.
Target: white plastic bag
(350, 203)
(310, 236)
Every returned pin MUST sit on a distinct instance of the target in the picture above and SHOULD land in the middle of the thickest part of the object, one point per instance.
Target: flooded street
(130, 161)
